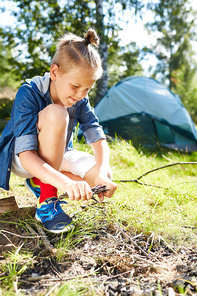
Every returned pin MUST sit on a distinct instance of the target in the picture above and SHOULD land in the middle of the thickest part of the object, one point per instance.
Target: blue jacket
(20, 133)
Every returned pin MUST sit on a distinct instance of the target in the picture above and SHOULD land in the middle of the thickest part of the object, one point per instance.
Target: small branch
(190, 227)
(8, 239)
(154, 170)
(50, 279)
(166, 166)
(45, 240)
(117, 275)
(51, 290)
(168, 246)
(21, 236)
(145, 184)
(31, 230)
(125, 235)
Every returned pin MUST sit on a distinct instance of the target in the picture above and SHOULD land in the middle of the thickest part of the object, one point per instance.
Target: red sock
(47, 191)
(36, 181)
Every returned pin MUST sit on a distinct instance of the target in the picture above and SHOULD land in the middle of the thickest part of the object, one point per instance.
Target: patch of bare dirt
(117, 262)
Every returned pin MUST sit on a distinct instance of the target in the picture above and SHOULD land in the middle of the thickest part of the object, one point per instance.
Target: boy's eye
(75, 86)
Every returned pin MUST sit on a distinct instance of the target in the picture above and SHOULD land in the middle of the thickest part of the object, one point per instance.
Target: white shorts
(75, 162)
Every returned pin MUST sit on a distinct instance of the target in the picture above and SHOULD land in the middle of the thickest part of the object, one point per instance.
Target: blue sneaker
(51, 215)
(35, 189)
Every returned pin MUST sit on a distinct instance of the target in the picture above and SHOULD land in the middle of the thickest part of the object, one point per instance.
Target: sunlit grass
(76, 287)
(15, 264)
(168, 211)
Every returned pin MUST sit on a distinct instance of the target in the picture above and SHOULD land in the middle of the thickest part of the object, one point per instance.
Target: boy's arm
(89, 124)
(101, 173)
(36, 166)
(102, 154)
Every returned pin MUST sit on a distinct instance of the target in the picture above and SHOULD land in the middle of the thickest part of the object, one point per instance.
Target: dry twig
(2, 231)
(154, 170)
(21, 236)
(45, 240)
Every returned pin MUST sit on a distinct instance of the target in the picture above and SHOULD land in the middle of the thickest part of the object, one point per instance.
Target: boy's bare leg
(72, 176)
(93, 179)
(52, 125)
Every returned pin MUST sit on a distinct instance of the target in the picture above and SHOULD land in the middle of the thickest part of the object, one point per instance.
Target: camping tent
(145, 111)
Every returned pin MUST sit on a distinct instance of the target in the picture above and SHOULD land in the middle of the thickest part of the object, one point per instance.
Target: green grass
(163, 211)
(74, 288)
(168, 212)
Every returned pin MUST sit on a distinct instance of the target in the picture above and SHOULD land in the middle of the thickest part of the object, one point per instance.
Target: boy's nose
(79, 95)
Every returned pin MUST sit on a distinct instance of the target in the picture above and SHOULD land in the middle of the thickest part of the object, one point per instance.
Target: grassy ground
(164, 212)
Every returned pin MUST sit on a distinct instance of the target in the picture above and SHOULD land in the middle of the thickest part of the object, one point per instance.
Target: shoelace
(55, 203)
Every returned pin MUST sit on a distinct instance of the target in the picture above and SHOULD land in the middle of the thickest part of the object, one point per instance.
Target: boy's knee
(54, 115)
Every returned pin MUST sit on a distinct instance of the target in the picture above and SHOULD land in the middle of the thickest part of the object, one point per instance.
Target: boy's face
(68, 88)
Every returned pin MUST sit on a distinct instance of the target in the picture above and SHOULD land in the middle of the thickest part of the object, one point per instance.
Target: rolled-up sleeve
(94, 134)
(25, 114)
(24, 143)
(89, 123)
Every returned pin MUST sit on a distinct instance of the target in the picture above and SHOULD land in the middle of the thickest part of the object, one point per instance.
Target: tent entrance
(139, 128)
(142, 129)
(164, 132)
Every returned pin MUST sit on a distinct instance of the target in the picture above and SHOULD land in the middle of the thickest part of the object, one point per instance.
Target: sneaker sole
(66, 228)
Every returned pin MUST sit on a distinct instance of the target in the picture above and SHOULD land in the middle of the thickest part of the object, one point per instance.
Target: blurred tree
(184, 77)
(41, 23)
(174, 24)
(124, 62)
(102, 84)
(8, 77)
(110, 51)
(173, 21)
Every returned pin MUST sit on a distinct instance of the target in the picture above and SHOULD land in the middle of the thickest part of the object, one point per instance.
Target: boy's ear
(53, 71)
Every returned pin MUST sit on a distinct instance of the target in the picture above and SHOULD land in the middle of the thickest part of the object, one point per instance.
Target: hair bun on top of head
(91, 37)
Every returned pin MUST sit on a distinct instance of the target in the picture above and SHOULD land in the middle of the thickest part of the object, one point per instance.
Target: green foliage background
(27, 46)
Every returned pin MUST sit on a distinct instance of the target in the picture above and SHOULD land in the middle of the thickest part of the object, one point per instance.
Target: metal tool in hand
(98, 189)
(95, 190)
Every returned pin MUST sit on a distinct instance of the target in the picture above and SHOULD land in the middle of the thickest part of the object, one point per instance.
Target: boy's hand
(102, 176)
(78, 190)
(110, 186)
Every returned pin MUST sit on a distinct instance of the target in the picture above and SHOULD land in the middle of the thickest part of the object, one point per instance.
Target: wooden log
(8, 205)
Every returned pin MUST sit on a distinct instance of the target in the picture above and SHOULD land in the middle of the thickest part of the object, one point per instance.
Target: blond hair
(74, 50)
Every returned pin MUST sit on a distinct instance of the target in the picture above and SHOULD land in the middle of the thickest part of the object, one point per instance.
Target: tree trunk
(102, 84)
(170, 69)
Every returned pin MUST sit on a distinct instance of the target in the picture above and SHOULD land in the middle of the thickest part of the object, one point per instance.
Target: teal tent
(145, 111)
